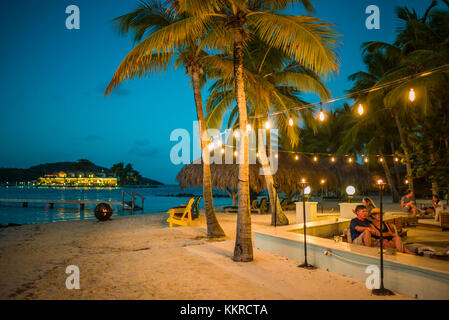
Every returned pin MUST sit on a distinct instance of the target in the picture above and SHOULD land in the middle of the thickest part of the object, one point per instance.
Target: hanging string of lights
(217, 140)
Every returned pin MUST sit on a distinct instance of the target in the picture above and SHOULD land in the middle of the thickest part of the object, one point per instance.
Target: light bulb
(321, 116)
(366, 160)
(360, 109)
(222, 150)
(267, 125)
(350, 160)
(296, 157)
(381, 159)
(248, 127)
(333, 159)
(235, 153)
(290, 122)
(322, 181)
(380, 181)
(315, 158)
(412, 95)
(396, 159)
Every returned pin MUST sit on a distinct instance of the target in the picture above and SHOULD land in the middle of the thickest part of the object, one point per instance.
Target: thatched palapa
(288, 175)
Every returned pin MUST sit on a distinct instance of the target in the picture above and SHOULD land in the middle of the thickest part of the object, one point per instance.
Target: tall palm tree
(160, 26)
(272, 84)
(307, 40)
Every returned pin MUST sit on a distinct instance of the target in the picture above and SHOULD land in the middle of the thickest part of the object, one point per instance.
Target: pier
(130, 205)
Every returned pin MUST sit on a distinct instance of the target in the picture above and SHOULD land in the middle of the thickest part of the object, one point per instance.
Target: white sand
(139, 257)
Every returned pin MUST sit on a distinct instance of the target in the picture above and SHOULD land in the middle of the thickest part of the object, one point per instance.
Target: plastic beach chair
(181, 215)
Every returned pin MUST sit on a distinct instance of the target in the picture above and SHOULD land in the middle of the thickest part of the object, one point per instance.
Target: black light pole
(276, 187)
(322, 192)
(305, 265)
(382, 291)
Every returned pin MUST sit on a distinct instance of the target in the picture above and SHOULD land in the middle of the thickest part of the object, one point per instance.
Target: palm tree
(166, 44)
(272, 84)
(307, 40)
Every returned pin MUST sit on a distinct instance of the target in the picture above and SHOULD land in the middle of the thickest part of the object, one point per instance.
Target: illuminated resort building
(62, 179)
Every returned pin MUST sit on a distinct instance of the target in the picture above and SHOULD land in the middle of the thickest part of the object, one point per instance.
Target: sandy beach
(139, 257)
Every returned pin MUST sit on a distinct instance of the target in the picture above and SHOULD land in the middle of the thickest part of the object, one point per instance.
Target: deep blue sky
(52, 79)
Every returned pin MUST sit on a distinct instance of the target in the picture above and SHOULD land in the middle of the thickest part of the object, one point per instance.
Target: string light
(350, 160)
(333, 159)
(396, 159)
(366, 160)
(235, 153)
(406, 181)
(315, 158)
(321, 115)
(381, 159)
(248, 127)
(296, 157)
(267, 125)
(412, 95)
(322, 181)
(290, 122)
(360, 109)
(380, 181)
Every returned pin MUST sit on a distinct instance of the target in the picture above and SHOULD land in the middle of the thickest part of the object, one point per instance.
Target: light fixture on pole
(382, 291)
(322, 182)
(305, 191)
(350, 191)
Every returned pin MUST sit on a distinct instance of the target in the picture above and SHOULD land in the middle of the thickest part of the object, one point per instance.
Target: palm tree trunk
(279, 219)
(432, 163)
(243, 250)
(408, 162)
(214, 229)
(390, 181)
(396, 169)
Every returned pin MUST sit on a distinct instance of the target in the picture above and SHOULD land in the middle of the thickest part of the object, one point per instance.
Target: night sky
(52, 81)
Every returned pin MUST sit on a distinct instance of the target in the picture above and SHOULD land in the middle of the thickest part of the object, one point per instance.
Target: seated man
(360, 227)
(408, 204)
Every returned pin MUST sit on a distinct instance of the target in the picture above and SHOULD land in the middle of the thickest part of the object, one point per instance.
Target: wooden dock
(131, 205)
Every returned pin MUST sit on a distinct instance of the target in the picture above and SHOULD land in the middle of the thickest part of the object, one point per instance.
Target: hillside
(13, 175)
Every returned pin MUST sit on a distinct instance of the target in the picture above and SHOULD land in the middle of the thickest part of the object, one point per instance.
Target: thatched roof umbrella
(288, 175)
(347, 173)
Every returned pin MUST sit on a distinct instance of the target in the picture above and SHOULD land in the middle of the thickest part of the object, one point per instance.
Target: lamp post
(305, 191)
(350, 191)
(276, 187)
(322, 182)
(382, 291)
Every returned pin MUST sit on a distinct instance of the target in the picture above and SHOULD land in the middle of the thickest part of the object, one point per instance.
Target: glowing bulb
(236, 134)
(321, 115)
(222, 150)
(257, 154)
(350, 160)
(315, 158)
(307, 190)
(276, 155)
(322, 181)
(360, 109)
(366, 160)
(350, 190)
(248, 127)
(406, 181)
(303, 180)
(412, 95)
(296, 157)
(211, 146)
(333, 159)
(381, 159)
(380, 181)
(290, 122)
(235, 153)
(396, 159)
(267, 125)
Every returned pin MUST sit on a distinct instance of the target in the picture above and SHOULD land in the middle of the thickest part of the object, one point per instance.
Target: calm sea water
(41, 212)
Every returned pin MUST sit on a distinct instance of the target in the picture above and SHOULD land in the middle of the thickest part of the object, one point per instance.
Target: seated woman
(391, 240)
(369, 204)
